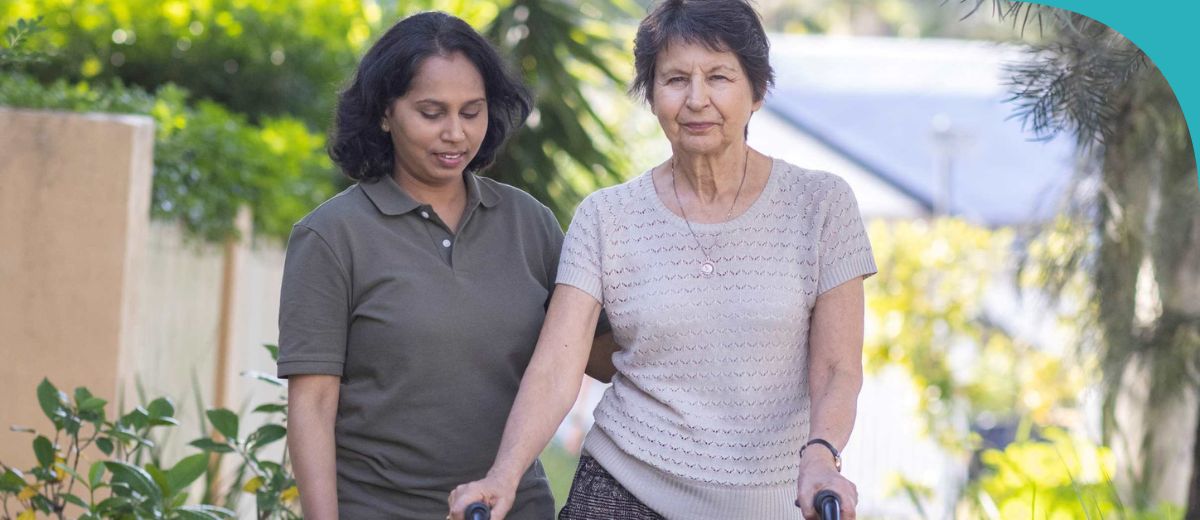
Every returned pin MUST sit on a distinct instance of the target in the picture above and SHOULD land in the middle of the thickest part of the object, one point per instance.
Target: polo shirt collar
(390, 199)
(483, 192)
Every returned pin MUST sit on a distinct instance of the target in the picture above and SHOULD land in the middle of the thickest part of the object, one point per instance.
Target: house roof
(909, 111)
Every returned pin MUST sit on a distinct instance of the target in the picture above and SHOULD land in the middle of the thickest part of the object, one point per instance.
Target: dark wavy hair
(362, 149)
(721, 25)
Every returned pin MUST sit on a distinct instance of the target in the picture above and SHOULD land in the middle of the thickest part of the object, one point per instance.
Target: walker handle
(828, 505)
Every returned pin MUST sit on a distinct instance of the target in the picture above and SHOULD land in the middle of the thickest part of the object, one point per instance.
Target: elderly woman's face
(438, 125)
(702, 98)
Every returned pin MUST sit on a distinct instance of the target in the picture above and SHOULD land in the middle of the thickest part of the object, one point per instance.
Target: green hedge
(208, 161)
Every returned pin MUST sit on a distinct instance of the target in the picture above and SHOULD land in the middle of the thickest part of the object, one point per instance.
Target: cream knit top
(709, 408)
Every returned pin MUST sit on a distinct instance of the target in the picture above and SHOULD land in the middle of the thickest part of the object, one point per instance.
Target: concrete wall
(74, 196)
(92, 293)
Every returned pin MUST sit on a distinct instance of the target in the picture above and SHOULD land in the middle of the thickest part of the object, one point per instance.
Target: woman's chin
(706, 145)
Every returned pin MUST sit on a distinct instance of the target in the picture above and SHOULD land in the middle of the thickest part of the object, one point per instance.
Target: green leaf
(75, 500)
(273, 350)
(12, 481)
(160, 479)
(43, 504)
(267, 434)
(95, 475)
(264, 377)
(136, 419)
(164, 421)
(51, 400)
(205, 512)
(105, 444)
(161, 407)
(271, 408)
(212, 446)
(92, 404)
(225, 422)
(187, 471)
(44, 451)
(137, 479)
(82, 394)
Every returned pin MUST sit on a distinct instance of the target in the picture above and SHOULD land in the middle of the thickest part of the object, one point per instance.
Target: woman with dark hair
(411, 301)
(733, 283)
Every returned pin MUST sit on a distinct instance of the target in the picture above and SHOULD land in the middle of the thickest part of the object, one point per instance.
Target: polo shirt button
(446, 242)
(424, 214)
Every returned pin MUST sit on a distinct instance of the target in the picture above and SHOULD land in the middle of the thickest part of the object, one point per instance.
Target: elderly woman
(412, 301)
(733, 283)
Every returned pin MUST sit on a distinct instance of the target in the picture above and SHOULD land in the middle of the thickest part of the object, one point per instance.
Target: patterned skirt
(596, 495)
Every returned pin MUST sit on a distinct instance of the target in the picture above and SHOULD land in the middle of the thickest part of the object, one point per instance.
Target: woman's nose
(453, 131)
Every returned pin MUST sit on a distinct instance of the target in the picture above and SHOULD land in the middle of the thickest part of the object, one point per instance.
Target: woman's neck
(447, 199)
(710, 176)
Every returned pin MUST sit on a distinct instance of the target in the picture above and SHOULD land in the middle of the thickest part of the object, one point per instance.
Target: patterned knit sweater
(709, 408)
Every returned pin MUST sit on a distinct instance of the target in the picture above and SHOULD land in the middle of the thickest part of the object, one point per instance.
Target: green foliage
(134, 490)
(14, 38)
(246, 63)
(271, 482)
(254, 57)
(1059, 477)
(928, 317)
(567, 149)
(121, 486)
(208, 161)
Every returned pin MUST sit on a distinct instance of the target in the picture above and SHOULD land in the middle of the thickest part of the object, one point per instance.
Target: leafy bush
(121, 485)
(1060, 476)
(256, 57)
(208, 161)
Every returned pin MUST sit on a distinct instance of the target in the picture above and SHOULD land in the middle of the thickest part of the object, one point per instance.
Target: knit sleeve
(580, 263)
(844, 246)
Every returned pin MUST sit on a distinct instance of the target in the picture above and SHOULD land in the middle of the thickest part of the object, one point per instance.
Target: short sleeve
(553, 257)
(553, 249)
(314, 307)
(580, 263)
(845, 249)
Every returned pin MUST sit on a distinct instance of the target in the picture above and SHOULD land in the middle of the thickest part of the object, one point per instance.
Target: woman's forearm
(312, 409)
(835, 362)
(834, 405)
(550, 384)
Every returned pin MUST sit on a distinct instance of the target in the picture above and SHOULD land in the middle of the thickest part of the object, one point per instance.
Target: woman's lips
(699, 127)
(450, 160)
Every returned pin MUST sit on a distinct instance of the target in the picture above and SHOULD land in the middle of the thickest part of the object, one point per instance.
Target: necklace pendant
(707, 268)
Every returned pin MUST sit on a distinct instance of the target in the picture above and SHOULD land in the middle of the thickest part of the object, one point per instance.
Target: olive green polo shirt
(430, 332)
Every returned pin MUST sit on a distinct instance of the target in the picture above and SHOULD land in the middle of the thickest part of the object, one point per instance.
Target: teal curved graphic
(1166, 31)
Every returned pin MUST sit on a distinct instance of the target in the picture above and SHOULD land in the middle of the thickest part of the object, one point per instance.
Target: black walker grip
(828, 505)
(477, 511)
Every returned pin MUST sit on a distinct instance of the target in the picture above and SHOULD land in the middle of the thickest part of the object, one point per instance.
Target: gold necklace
(708, 267)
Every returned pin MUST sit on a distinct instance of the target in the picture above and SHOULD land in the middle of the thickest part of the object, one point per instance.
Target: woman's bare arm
(834, 380)
(547, 392)
(312, 408)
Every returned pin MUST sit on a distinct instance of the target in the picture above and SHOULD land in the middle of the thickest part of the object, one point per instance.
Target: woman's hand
(816, 474)
(495, 491)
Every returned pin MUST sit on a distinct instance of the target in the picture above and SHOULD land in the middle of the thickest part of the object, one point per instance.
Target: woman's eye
(718, 77)
(430, 115)
(470, 115)
(675, 80)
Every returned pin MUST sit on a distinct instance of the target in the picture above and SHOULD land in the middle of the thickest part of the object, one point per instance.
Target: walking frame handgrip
(477, 511)
(828, 505)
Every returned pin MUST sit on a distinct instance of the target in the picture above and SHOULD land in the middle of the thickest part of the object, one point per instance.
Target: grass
(560, 469)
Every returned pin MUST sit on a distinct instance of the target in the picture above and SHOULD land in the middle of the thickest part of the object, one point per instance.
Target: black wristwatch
(837, 457)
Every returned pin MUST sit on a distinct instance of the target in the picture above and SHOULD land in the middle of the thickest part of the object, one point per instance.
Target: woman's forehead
(688, 55)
